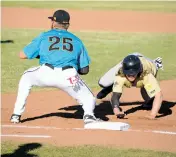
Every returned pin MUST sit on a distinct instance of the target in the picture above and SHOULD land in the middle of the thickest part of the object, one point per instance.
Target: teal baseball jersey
(59, 48)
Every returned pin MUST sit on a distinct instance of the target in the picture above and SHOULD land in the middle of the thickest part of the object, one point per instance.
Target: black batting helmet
(131, 65)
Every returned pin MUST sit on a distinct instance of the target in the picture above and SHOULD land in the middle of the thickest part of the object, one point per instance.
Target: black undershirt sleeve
(115, 99)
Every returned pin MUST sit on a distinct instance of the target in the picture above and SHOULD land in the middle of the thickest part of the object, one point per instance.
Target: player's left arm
(153, 90)
(156, 104)
(84, 61)
(31, 50)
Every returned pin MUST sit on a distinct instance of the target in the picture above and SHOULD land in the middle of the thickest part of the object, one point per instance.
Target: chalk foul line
(56, 128)
(26, 136)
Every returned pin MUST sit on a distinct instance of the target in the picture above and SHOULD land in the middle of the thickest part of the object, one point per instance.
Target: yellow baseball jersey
(146, 79)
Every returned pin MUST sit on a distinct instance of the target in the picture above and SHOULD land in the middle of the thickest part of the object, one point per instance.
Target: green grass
(160, 6)
(105, 49)
(32, 149)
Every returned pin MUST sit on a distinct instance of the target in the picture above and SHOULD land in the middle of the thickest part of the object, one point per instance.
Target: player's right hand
(120, 114)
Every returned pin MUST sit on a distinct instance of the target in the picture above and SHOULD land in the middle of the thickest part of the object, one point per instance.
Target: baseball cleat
(15, 118)
(158, 62)
(91, 119)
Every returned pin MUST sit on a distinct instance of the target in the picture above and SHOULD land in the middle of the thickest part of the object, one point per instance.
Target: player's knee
(102, 83)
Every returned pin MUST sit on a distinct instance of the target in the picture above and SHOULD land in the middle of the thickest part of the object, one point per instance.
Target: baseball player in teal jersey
(62, 57)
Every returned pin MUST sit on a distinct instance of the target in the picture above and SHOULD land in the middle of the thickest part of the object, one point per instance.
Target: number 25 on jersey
(66, 44)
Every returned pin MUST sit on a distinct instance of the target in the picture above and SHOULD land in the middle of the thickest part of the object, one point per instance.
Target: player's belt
(67, 67)
(63, 68)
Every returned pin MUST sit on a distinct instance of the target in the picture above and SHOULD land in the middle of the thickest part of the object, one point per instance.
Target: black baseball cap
(60, 16)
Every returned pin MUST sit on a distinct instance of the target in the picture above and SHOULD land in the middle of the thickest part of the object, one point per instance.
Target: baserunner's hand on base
(120, 114)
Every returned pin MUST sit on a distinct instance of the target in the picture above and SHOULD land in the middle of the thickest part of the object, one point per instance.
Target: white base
(108, 126)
